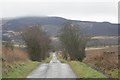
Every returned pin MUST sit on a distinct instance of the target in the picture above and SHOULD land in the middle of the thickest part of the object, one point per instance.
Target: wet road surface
(54, 69)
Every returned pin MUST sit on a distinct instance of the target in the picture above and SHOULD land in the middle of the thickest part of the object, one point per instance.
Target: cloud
(98, 11)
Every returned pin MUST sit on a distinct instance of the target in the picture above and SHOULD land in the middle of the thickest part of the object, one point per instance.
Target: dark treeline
(73, 42)
(37, 42)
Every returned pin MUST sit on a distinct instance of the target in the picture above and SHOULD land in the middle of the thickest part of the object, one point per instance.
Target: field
(104, 59)
(102, 41)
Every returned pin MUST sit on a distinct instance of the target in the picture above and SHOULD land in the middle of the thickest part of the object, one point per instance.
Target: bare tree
(73, 41)
(37, 42)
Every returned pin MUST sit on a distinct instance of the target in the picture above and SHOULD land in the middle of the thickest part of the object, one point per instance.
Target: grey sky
(76, 10)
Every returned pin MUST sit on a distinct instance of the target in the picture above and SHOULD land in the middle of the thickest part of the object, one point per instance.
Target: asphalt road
(55, 69)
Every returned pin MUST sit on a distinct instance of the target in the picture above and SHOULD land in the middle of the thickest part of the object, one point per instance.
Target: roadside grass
(114, 73)
(106, 60)
(21, 65)
(62, 60)
(47, 60)
(84, 71)
(21, 71)
(59, 57)
(24, 69)
(81, 69)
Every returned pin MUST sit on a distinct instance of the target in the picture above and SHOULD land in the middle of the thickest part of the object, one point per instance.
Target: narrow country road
(54, 69)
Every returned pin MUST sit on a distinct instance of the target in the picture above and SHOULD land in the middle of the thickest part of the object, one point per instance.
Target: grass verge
(47, 60)
(84, 71)
(81, 69)
(114, 73)
(21, 71)
(60, 58)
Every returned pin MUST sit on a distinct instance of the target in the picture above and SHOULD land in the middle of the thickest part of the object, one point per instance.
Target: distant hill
(53, 24)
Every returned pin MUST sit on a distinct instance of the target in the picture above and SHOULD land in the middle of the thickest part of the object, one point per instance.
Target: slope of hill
(53, 24)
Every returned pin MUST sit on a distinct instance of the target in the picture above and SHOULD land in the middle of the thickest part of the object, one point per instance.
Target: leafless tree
(73, 41)
(37, 42)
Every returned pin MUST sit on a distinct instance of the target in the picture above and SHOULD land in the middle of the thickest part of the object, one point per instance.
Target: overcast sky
(85, 10)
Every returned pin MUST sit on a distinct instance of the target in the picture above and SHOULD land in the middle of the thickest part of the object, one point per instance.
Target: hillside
(53, 24)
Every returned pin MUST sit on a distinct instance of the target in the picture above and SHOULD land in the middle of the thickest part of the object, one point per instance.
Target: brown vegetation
(106, 58)
(14, 56)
